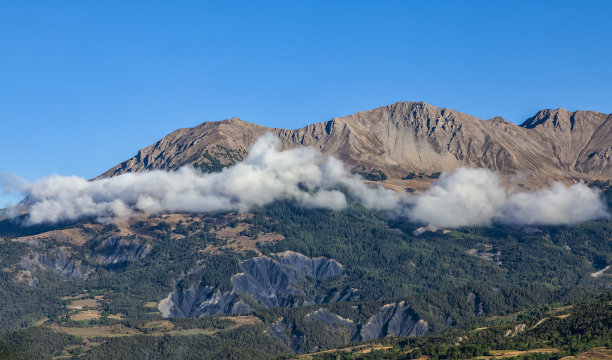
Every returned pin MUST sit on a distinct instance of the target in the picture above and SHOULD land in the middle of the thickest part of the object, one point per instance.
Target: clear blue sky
(85, 84)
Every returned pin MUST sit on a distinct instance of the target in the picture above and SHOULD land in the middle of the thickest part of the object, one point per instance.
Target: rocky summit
(407, 137)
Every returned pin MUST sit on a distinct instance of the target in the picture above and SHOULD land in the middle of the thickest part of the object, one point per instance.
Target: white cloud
(265, 176)
(462, 197)
(467, 197)
(558, 204)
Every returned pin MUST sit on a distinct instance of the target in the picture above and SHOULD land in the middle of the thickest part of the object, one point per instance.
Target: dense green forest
(452, 279)
(568, 330)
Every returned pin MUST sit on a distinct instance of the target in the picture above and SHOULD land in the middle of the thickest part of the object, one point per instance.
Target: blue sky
(85, 84)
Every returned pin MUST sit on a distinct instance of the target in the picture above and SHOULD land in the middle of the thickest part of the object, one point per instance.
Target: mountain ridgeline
(407, 137)
(285, 279)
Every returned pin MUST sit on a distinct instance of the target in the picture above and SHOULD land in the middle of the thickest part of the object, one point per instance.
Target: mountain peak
(406, 137)
(234, 120)
(557, 117)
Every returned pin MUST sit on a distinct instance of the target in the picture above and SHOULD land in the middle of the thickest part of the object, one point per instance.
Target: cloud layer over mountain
(265, 176)
(469, 196)
(461, 197)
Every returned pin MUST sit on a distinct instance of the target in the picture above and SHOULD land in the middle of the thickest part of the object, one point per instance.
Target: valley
(315, 287)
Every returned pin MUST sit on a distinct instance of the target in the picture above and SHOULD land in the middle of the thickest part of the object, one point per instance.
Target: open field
(242, 320)
(594, 354)
(192, 332)
(98, 331)
(161, 325)
(73, 236)
(86, 315)
(502, 354)
(79, 304)
(375, 347)
(360, 349)
(241, 243)
(152, 328)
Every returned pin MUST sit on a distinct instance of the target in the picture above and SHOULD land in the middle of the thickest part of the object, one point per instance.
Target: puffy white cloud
(558, 204)
(462, 197)
(266, 175)
(467, 197)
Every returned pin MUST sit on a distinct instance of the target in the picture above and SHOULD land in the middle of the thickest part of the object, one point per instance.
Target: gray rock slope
(285, 280)
(113, 254)
(59, 260)
(118, 252)
(277, 281)
(396, 319)
(201, 300)
(393, 320)
(336, 324)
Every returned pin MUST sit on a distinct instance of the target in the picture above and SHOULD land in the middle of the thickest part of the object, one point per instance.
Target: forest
(452, 279)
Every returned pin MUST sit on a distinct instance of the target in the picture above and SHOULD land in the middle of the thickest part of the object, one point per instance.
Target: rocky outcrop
(296, 338)
(199, 301)
(117, 252)
(226, 142)
(335, 324)
(397, 319)
(59, 260)
(284, 280)
(579, 140)
(285, 333)
(393, 320)
(406, 137)
(277, 281)
(319, 268)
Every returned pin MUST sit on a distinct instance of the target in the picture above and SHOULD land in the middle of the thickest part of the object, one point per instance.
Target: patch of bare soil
(79, 304)
(593, 354)
(86, 315)
(242, 320)
(503, 354)
(74, 236)
(241, 243)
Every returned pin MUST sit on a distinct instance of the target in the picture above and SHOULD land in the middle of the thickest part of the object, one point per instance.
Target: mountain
(285, 279)
(279, 280)
(404, 138)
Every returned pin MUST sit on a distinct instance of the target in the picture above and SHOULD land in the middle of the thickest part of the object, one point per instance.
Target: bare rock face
(335, 323)
(287, 279)
(578, 140)
(226, 141)
(407, 137)
(596, 157)
(393, 320)
(285, 332)
(59, 260)
(199, 301)
(117, 252)
(280, 281)
(334, 326)
(397, 319)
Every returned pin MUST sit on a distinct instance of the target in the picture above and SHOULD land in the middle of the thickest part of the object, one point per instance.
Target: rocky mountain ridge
(404, 138)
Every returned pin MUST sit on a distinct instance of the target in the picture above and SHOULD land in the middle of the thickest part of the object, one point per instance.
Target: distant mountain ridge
(407, 137)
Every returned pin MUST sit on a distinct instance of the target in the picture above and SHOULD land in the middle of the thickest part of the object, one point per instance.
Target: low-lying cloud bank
(462, 197)
(265, 176)
(467, 197)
